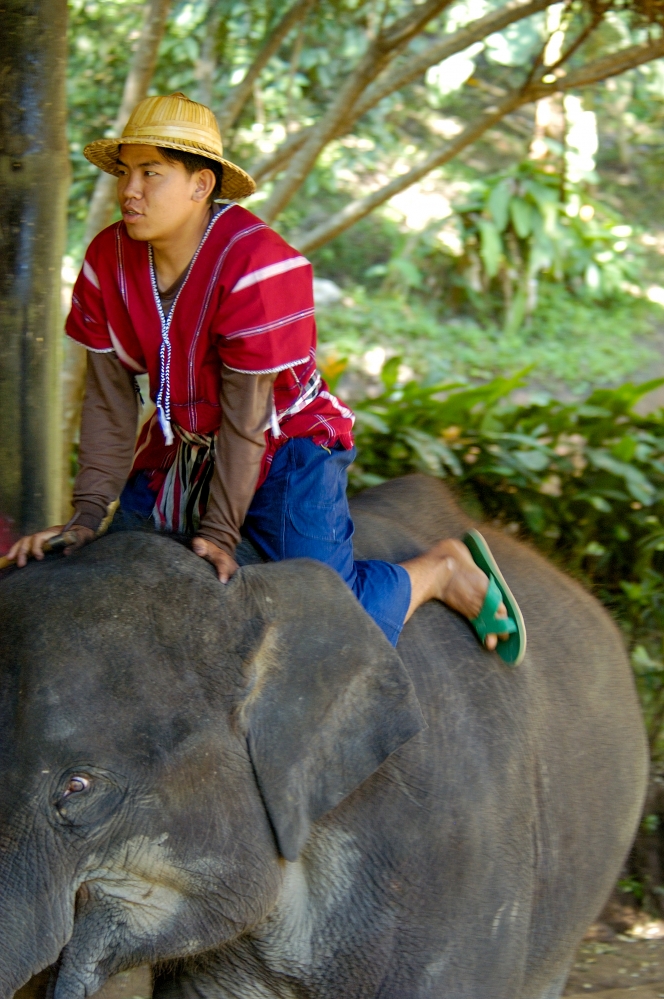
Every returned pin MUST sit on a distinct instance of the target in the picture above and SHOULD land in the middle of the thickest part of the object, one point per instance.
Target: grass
(572, 342)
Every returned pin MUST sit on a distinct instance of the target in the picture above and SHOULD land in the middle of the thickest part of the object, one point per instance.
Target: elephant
(248, 788)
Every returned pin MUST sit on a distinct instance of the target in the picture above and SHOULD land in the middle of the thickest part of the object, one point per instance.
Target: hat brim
(104, 153)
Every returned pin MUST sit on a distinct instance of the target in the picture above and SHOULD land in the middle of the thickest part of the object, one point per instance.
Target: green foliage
(368, 245)
(584, 481)
(570, 341)
(632, 886)
(526, 223)
(650, 823)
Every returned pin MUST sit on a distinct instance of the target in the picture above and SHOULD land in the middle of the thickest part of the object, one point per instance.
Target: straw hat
(173, 122)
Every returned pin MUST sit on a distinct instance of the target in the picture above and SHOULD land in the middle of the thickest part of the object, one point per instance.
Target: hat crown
(173, 122)
(173, 117)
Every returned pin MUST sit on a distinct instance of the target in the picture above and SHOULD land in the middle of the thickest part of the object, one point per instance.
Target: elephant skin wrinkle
(319, 884)
(139, 884)
(142, 874)
(247, 788)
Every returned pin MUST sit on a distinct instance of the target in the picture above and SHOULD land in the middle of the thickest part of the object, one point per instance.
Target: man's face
(158, 198)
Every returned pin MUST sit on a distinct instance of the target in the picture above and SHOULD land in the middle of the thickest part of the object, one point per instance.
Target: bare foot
(447, 573)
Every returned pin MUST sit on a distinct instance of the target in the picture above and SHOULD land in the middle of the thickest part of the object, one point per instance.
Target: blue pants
(301, 511)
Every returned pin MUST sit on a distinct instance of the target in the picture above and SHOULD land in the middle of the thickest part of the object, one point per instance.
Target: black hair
(193, 162)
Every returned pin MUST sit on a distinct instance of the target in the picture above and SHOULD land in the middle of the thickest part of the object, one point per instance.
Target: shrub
(584, 481)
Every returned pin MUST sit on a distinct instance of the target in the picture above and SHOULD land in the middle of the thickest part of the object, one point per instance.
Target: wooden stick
(53, 545)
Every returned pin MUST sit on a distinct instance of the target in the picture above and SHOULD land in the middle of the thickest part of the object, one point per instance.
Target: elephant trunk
(36, 921)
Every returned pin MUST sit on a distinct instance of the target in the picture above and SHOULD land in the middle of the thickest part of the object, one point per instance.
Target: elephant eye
(76, 784)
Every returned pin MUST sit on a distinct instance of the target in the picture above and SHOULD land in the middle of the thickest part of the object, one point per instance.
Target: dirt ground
(625, 966)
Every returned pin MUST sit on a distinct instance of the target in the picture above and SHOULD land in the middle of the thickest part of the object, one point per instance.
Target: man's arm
(108, 435)
(246, 404)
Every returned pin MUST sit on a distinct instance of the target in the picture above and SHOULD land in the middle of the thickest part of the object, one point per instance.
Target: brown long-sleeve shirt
(108, 435)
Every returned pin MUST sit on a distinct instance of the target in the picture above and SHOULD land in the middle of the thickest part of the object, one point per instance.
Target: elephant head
(166, 744)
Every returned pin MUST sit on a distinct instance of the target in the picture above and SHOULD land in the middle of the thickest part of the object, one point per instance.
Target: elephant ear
(328, 697)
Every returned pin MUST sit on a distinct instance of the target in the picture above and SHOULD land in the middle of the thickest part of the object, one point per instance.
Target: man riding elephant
(218, 310)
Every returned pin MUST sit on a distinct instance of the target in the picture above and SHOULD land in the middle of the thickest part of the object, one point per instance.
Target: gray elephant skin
(248, 788)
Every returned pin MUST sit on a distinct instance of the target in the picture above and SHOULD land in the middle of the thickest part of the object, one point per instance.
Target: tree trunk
(34, 175)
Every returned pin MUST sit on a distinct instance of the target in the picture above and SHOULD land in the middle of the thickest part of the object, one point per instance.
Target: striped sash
(183, 498)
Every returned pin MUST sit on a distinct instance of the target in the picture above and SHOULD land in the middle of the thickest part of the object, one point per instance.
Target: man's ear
(205, 185)
(328, 697)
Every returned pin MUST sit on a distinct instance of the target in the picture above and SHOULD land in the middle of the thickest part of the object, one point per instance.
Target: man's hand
(33, 544)
(224, 563)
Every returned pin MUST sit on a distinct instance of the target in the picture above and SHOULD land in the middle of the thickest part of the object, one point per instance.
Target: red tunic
(247, 302)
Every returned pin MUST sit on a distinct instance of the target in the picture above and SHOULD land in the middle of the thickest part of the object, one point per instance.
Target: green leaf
(644, 663)
(534, 461)
(621, 399)
(433, 454)
(541, 253)
(467, 407)
(593, 411)
(597, 502)
(407, 270)
(390, 373)
(546, 197)
(625, 449)
(522, 217)
(502, 470)
(368, 420)
(517, 312)
(534, 515)
(638, 485)
(550, 220)
(491, 247)
(498, 204)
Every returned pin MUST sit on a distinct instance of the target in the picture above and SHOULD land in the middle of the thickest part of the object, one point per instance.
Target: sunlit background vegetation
(523, 250)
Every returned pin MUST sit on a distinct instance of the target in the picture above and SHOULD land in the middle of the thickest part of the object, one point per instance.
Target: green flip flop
(513, 649)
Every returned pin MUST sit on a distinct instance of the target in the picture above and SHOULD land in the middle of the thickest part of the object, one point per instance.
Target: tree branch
(582, 37)
(611, 65)
(600, 69)
(240, 94)
(378, 54)
(398, 76)
(357, 210)
(263, 168)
